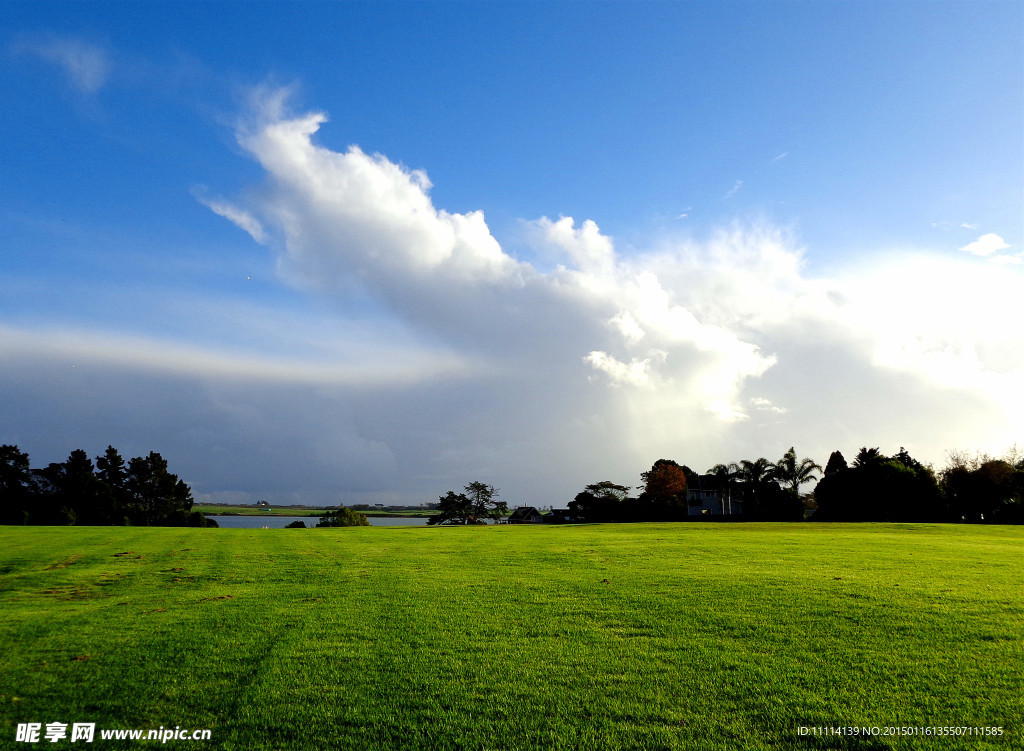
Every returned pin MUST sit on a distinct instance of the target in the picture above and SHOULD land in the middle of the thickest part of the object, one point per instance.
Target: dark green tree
(983, 489)
(155, 495)
(763, 499)
(340, 517)
(836, 463)
(880, 488)
(475, 505)
(17, 486)
(756, 471)
(81, 490)
(111, 469)
(724, 472)
(454, 508)
(603, 502)
(868, 458)
(793, 473)
(484, 501)
(49, 502)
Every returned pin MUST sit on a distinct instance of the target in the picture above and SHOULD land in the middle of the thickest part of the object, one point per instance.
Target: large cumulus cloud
(688, 349)
(542, 379)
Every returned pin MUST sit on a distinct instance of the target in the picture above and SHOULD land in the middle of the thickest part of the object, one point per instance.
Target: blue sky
(339, 251)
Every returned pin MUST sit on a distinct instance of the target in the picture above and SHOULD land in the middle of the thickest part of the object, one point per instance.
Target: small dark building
(559, 516)
(525, 515)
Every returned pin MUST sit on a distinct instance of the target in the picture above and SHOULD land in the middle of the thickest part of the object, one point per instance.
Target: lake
(276, 522)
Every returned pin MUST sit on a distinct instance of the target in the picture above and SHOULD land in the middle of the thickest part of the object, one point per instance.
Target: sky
(368, 253)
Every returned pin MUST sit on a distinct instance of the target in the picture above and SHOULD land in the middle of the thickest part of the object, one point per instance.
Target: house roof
(523, 512)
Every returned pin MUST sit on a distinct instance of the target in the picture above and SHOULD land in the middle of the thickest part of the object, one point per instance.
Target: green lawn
(690, 636)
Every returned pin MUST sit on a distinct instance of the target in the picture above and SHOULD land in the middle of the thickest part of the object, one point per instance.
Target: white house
(712, 496)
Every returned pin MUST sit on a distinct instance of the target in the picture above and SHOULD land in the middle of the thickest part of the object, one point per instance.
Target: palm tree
(868, 457)
(725, 474)
(755, 471)
(794, 474)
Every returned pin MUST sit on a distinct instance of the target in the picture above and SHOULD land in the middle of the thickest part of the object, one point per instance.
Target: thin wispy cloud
(237, 216)
(761, 404)
(86, 66)
(737, 186)
(388, 365)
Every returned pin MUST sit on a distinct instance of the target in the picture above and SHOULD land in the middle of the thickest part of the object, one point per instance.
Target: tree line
(764, 490)
(140, 492)
(874, 487)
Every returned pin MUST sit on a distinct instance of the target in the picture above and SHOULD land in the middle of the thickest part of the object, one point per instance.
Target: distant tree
(868, 458)
(80, 489)
(756, 471)
(342, 517)
(602, 502)
(155, 495)
(792, 473)
(836, 463)
(664, 479)
(910, 490)
(484, 502)
(664, 492)
(767, 501)
(76, 492)
(981, 488)
(17, 486)
(724, 472)
(474, 506)
(199, 519)
(758, 487)
(880, 488)
(299, 524)
(111, 469)
(49, 503)
(455, 508)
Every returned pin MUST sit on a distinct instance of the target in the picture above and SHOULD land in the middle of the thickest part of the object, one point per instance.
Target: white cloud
(681, 333)
(385, 365)
(737, 186)
(765, 405)
(633, 373)
(237, 216)
(586, 248)
(87, 66)
(538, 381)
(376, 216)
(986, 245)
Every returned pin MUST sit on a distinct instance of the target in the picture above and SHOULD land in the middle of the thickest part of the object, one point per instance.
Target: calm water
(272, 522)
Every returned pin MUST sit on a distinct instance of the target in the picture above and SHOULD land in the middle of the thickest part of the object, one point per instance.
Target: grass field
(689, 636)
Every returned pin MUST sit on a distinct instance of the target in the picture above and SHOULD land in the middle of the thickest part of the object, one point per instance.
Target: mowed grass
(688, 636)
